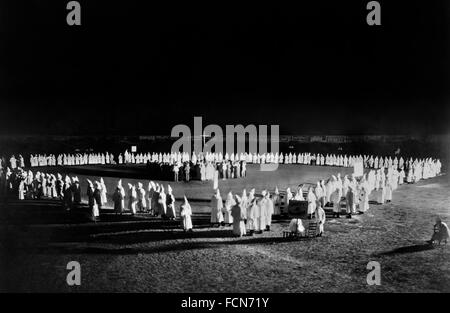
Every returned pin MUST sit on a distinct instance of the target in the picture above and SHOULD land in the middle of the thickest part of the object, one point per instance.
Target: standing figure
(251, 211)
(68, 196)
(312, 201)
(320, 218)
(268, 211)
(336, 200)
(141, 201)
(363, 198)
(150, 195)
(276, 202)
(216, 209)
(186, 213)
(118, 199)
(76, 189)
(187, 171)
(98, 198)
(91, 201)
(103, 192)
(59, 186)
(381, 195)
(350, 201)
(260, 223)
(239, 215)
(170, 202)
(162, 201)
(132, 198)
(229, 202)
(388, 192)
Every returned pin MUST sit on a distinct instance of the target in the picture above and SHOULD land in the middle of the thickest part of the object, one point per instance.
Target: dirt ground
(155, 257)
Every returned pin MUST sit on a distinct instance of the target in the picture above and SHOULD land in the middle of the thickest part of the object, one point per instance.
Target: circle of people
(204, 166)
(249, 212)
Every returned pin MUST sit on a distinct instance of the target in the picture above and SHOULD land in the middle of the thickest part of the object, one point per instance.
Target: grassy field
(145, 255)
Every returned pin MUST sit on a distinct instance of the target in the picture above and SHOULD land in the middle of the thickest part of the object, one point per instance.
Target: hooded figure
(155, 200)
(381, 194)
(345, 184)
(118, 199)
(91, 200)
(216, 208)
(150, 195)
(350, 201)
(98, 197)
(312, 201)
(21, 189)
(363, 196)
(440, 232)
(141, 201)
(336, 200)
(103, 192)
(49, 186)
(53, 182)
(276, 202)
(319, 193)
(268, 211)
(251, 214)
(260, 214)
(132, 198)
(320, 218)
(122, 192)
(244, 200)
(330, 186)
(76, 189)
(388, 191)
(59, 186)
(239, 215)
(170, 201)
(185, 213)
(288, 196)
(68, 196)
(162, 202)
(299, 194)
(229, 203)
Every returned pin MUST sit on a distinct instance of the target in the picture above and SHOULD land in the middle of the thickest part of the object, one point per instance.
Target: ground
(124, 254)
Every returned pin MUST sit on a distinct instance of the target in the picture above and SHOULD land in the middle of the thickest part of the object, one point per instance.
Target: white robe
(260, 216)
(320, 218)
(268, 210)
(238, 220)
(336, 199)
(364, 200)
(251, 215)
(228, 218)
(216, 210)
(185, 213)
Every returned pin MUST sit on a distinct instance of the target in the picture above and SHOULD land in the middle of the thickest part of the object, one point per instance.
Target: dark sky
(315, 67)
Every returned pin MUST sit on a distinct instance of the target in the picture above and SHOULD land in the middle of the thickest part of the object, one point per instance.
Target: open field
(146, 255)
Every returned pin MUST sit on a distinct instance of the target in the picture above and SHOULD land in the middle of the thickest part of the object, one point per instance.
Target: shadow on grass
(184, 246)
(408, 249)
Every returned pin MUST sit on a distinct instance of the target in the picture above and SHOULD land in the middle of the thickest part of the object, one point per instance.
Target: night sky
(315, 67)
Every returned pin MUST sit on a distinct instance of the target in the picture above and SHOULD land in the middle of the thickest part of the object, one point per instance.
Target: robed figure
(239, 215)
(186, 213)
(216, 208)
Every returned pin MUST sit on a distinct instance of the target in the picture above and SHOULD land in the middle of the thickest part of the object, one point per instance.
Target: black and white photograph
(213, 149)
